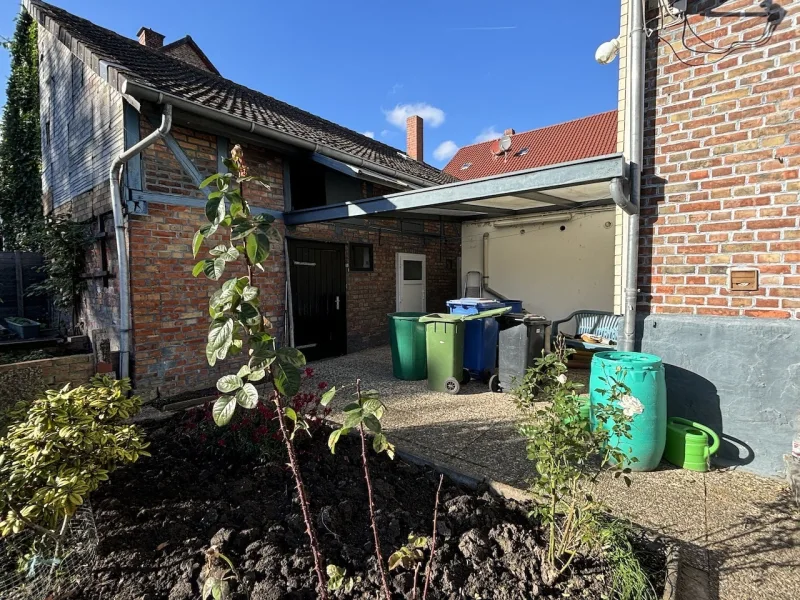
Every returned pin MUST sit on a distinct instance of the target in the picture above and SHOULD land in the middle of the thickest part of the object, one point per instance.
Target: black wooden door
(318, 282)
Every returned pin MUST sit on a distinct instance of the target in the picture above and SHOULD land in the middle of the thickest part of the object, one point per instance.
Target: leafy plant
(20, 143)
(68, 443)
(366, 413)
(410, 557)
(338, 580)
(63, 243)
(219, 571)
(567, 454)
(254, 434)
(238, 326)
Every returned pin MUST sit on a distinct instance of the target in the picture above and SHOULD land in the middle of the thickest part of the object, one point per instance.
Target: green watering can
(688, 444)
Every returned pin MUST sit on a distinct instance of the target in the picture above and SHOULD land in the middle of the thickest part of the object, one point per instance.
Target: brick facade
(170, 307)
(721, 177)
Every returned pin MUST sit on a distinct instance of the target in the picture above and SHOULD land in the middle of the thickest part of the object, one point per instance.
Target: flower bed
(157, 517)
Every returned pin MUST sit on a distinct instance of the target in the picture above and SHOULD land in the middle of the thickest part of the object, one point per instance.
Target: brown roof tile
(153, 68)
(574, 140)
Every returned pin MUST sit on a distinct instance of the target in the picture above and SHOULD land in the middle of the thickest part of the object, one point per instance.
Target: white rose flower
(562, 379)
(631, 405)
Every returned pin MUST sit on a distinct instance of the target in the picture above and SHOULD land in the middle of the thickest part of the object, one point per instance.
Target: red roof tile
(574, 140)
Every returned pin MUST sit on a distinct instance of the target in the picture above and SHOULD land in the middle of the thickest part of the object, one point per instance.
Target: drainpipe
(635, 146)
(486, 287)
(119, 235)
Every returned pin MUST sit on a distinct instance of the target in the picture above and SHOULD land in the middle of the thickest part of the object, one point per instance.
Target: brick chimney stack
(150, 38)
(414, 137)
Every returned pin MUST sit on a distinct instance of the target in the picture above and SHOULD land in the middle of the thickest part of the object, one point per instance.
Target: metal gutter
(136, 90)
(575, 173)
(634, 144)
(123, 276)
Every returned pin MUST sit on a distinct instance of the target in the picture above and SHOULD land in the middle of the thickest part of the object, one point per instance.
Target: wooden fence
(18, 271)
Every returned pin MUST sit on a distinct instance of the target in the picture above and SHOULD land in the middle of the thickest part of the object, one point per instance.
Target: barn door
(318, 298)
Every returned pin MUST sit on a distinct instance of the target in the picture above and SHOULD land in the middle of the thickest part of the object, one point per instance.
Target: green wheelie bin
(444, 339)
(407, 340)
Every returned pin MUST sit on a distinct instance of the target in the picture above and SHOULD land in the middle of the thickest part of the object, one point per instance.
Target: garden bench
(598, 323)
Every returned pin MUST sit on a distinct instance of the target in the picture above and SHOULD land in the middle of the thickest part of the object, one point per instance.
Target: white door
(410, 282)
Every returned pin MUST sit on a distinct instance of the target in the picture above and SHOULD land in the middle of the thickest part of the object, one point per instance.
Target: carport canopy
(565, 186)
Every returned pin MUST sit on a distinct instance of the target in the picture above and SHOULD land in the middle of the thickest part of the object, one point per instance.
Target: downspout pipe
(635, 147)
(123, 277)
(142, 92)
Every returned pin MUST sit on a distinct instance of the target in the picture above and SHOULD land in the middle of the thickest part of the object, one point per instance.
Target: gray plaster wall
(739, 376)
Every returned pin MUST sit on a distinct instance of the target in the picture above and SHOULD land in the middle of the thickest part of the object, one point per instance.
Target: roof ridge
(562, 123)
(367, 142)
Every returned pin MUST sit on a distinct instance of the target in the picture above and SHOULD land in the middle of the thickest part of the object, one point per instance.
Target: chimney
(414, 137)
(509, 131)
(150, 38)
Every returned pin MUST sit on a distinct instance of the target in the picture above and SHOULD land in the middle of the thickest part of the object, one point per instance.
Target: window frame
(359, 269)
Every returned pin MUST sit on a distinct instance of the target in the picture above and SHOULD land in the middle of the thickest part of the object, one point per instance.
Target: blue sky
(471, 67)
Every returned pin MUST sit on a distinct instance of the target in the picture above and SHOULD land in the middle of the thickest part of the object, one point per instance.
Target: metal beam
(139, 197)
(508, 184)
(475, 208)
(540, 197)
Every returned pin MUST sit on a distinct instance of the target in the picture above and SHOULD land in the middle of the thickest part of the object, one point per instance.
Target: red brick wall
(720, 178)
(170, 307)
(75, 369)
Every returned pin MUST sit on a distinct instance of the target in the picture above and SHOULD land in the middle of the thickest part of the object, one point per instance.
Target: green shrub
(67, 444)
(569, 455)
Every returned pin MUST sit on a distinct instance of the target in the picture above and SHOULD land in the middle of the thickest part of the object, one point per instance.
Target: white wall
(553, 272)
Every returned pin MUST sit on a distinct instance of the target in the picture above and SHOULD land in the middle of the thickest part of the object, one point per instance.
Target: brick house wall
(170, 307)
(721, 169)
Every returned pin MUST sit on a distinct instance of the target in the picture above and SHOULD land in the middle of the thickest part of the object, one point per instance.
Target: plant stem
(304, 505)
(43, 530)
(416, 572)
(61, 535)
(365, 463)
(429, 568)
(551, 549)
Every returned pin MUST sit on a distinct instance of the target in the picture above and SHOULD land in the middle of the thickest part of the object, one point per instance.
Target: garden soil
(156, 519)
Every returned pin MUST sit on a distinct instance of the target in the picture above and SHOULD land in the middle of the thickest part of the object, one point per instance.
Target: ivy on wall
(20, 145)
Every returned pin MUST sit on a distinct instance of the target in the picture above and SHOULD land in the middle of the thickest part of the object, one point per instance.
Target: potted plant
(26, 329)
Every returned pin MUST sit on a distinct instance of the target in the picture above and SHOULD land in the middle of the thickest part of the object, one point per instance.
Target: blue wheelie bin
(480, 337)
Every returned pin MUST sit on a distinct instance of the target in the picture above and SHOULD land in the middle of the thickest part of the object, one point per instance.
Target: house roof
(574, 140)
(188, 41)
(153, 68)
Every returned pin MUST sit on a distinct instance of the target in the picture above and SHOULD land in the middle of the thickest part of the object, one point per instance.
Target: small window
(523, 152)
(466, 166)
(412, 270)
(361, 257)
(47, 133)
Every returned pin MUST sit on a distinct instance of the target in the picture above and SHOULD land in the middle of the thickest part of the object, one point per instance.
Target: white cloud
(397, 116)
(445, 150)
(387, 133)
(369, 134)
(487, 135)
(395, 88)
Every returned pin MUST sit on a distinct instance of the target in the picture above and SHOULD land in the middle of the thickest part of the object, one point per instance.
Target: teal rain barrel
(644, 375)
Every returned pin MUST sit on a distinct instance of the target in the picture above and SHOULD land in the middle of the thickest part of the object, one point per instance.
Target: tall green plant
(20, 146)
(569, 454)
(238, 326)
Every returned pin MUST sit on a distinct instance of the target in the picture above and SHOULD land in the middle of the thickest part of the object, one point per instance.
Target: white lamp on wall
(607, 51)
